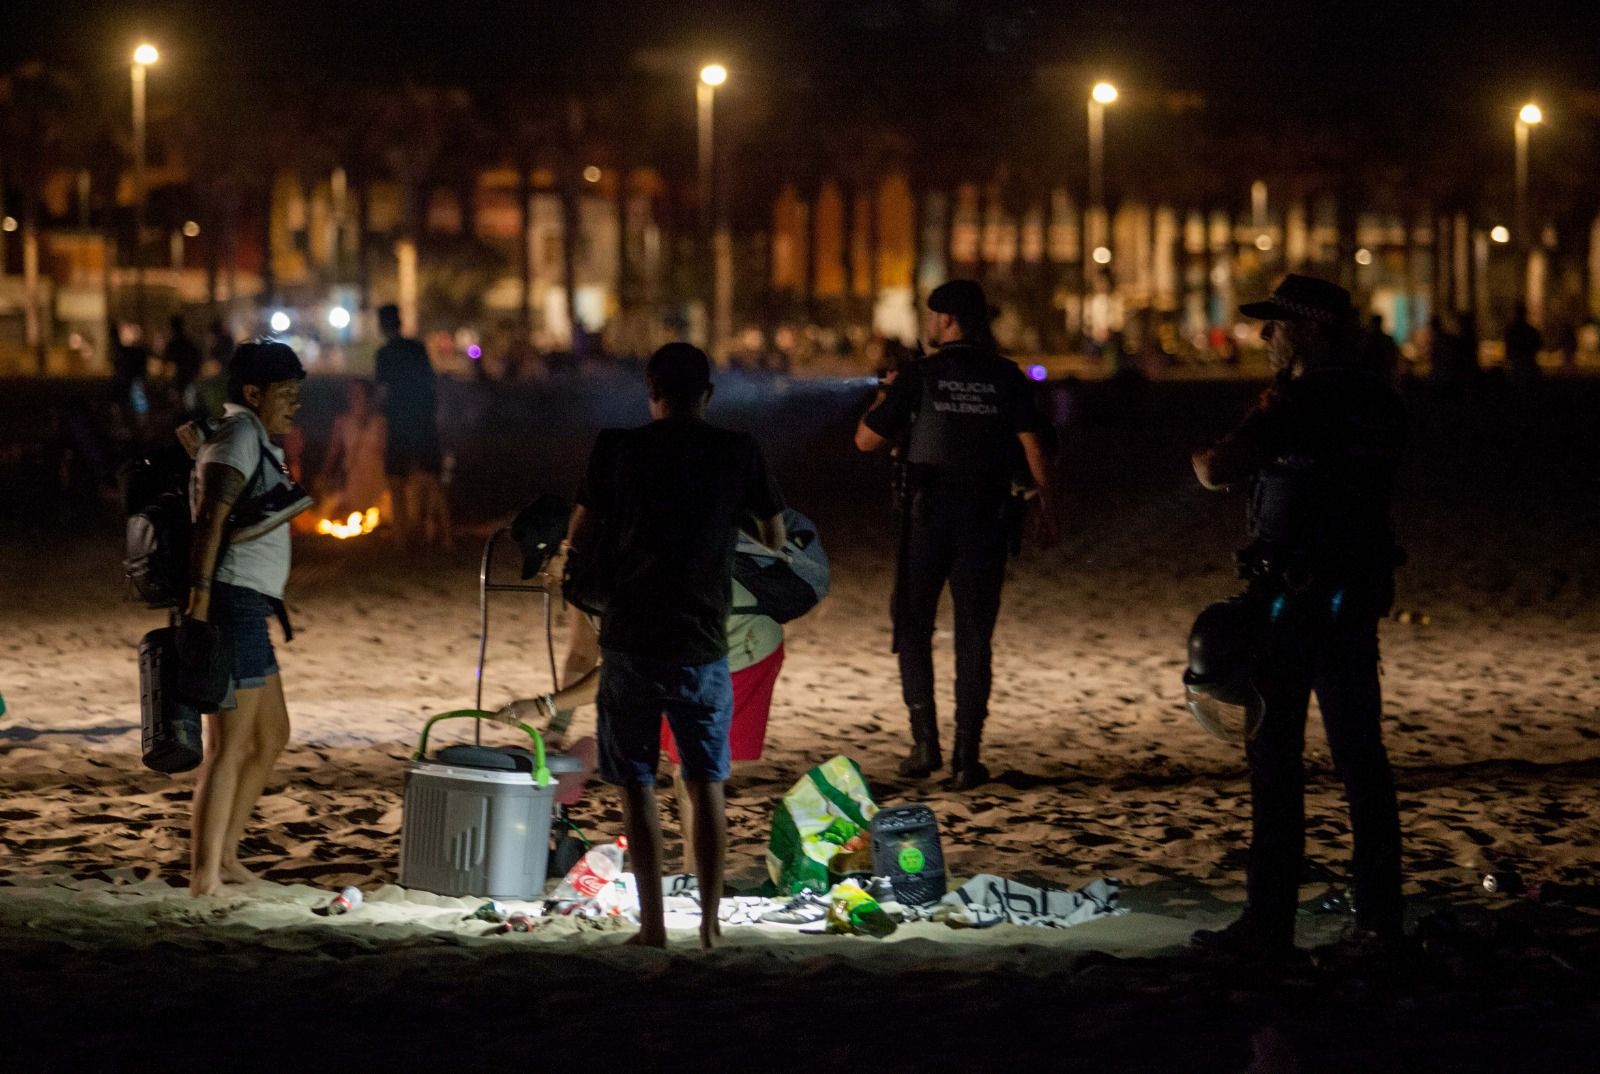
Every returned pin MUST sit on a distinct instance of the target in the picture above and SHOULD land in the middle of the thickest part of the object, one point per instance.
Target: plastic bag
(821, 828)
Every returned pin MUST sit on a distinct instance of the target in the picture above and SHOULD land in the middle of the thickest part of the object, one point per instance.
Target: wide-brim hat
(1302, 298)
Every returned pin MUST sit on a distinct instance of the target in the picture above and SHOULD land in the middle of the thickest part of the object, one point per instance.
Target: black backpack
(155, 496)
(786, 584)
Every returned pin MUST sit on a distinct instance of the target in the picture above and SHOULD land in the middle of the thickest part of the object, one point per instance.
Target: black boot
(966, 771)
(924, 757)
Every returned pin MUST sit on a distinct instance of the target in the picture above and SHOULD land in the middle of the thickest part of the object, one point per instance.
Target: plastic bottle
(593, 872)
(1503, 882)
(345, 901)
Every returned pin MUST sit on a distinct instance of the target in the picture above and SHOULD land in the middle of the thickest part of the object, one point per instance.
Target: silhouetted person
(1319, 452)
(1380, 351)
(958, 417)
(660, 508)
(219, 343)
(1567, 345)
(1444, 352)
(412, 457)
(182, 356)
(1523, 344)
(1467, 344)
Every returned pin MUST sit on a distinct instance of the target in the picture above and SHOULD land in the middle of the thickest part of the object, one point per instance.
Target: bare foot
(235, 873)
(200, 887)
(646, 939)
(710, 935)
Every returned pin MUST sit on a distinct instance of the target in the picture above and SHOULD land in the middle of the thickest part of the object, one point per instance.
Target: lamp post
(143, 57)
(714, 241)
(1096, 248)
(1528, 117)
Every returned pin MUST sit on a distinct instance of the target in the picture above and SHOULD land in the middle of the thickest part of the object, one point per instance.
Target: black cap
(962, 299)
(1302, 298)
(262, 362)
(538, 531)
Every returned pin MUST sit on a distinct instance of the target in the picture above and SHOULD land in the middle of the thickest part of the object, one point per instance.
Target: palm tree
(35, 123)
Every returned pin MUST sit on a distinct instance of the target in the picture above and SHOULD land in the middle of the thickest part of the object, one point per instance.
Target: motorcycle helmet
(1219, 687)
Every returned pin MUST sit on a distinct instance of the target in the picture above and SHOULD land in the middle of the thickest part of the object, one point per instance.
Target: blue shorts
(636, 692)
(241, 615)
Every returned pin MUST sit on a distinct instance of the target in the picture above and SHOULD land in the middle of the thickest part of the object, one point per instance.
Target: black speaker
(906, 849)
(171, 737)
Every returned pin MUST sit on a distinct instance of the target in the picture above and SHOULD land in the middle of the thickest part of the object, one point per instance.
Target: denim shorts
(241, 615)
(636, 692)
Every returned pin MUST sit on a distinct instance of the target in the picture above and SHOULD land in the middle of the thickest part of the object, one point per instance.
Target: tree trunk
(569, 254)
(525, 242)
(34, 328)
(211, 223)
(570, 217)
(363, 217)
(269, 278)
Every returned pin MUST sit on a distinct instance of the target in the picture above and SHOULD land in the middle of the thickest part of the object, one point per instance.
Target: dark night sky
(1234, 50)
(1345, 67)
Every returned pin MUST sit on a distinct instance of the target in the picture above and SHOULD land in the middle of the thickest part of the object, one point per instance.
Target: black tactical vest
(966, 418)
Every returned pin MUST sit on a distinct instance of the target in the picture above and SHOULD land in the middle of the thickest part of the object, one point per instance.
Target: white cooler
(474, 825)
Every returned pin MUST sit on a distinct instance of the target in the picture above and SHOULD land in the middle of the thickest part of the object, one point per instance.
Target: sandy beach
(1099, 772)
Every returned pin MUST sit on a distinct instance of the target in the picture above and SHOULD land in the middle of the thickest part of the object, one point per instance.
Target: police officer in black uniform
(963, 422)
(1319, 454)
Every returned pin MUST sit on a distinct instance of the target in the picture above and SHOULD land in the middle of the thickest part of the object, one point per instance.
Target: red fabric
(752, 702)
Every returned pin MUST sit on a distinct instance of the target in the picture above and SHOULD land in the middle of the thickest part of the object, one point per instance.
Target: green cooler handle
(541, 775)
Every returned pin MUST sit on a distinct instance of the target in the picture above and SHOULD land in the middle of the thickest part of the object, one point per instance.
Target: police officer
(959, 419)
(1318, 453)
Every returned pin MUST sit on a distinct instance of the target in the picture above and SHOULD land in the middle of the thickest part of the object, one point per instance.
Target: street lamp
(143, 57)
(1530, 115)
(711, 76)
(715, 244)
(1100, 95)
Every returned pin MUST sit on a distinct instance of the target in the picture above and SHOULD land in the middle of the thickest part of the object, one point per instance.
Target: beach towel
(987, 900)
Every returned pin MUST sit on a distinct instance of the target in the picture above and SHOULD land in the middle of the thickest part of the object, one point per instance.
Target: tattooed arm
(220, 487)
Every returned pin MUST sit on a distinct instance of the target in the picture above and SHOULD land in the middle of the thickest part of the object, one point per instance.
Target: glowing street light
(720, 276)
(1527, 117)
(143, 56)
(1363, 256)
(1500, 233)
(1096, 234)
(338, 317)
(591, 174)
(279, 321)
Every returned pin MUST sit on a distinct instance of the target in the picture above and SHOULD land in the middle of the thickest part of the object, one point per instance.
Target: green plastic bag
(821, 815)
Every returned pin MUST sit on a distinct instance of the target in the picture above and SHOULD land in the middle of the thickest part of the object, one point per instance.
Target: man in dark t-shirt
(662, 506)
(959, 418)
(411, 455)
(183, 355)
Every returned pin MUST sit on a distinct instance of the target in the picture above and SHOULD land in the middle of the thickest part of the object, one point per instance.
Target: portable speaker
(905, 848)
(171, 736)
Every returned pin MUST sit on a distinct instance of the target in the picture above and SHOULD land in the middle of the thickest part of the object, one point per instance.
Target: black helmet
(1218, 684)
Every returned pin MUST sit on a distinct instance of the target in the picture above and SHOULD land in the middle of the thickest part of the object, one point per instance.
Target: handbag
(262, 514)
(589, 578)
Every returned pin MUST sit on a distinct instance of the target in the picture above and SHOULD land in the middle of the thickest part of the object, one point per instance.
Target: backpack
(155, 495)
(788, 583)
(159, 531)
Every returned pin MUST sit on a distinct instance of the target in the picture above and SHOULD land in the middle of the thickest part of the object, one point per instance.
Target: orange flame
(357, 525)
